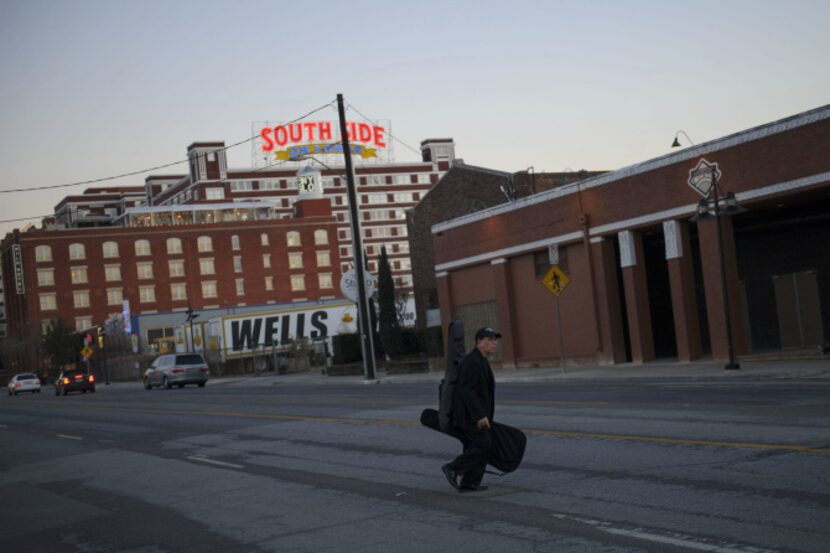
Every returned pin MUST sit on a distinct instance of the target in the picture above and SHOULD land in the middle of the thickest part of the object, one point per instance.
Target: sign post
(556, 280)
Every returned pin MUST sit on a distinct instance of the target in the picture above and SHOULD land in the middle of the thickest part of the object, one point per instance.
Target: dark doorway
(659, 294)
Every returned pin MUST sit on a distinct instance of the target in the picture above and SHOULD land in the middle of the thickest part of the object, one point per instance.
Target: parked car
(177, 369)
(72, 380)
(24, 382)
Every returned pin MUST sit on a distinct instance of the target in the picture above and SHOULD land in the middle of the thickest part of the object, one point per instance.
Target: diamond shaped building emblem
(703, 177)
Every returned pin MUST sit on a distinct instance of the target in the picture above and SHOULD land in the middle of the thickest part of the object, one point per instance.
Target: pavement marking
(213, 462)
(667, 538)
(68, 437)
(3, 426)
(798, 448)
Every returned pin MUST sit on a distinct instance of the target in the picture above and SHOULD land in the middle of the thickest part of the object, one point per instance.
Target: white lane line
(669, 538)
(212, 462)
(3, 426)
(68, 437)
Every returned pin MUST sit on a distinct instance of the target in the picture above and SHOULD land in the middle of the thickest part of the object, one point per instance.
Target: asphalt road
(610, 467)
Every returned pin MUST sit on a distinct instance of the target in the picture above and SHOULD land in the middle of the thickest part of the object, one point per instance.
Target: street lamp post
(703, 214)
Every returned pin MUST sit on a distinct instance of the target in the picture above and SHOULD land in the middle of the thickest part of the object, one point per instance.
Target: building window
(77, 251)
(235, 243)
(269, 283)
(405, 281)
(293, 238)
(209, 289)
(144, 270)
(45, 277)
(178, 291)
(404, 264)
(295, 260)
(176, 267)
(297, 283)
(240, 287)
(48, 302)
(112, 273)
(82, 323)
(205, 244)
(110, 249)
(323, 258)
(269, 185)
(375, 198)
(214, 193)
(403, 247)
(207, 266)
(401, 179)
(81, 298)
(242, 185)
(147, 294)
(43, 253)
(263, 239)
(237, 264)
(423, 178)
(114, 296)
(266, 260)
(325, 281)
(142, 247)
(79, 275)
(321, 237)
(174, 246)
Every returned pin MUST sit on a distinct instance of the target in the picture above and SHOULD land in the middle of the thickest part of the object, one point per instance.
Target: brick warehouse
(213, 238)
(645, 281)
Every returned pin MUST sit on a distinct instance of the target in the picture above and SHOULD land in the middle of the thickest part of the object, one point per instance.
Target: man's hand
(483, 423)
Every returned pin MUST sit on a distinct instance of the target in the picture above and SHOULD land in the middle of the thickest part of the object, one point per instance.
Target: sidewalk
(790, 369)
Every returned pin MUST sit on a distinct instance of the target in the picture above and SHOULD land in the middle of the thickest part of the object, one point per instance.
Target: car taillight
(204, 369)
(17, 384)
(177, 370)
(66, 381)
(78, 376)
(91, 378)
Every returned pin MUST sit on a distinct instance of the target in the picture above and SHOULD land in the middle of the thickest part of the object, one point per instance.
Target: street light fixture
(676, 143)
(731, 207)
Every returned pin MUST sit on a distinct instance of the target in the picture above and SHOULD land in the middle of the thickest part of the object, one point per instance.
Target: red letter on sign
(280, 136)
(325, 130)
(265, 133)
(365, 133)
(378, 130)
(309, 129)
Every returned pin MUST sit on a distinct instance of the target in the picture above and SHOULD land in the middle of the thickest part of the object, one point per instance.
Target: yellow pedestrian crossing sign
(86, 352)
(556, 280)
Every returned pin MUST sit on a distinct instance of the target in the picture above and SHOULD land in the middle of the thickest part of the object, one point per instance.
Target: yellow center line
(799, 448)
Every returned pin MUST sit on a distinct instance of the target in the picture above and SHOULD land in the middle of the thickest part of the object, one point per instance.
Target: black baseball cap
(486, 332)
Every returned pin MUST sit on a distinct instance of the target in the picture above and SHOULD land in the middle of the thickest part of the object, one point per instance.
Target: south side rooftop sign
(311, 132)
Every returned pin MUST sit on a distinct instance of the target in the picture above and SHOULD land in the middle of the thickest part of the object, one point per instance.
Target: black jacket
(475, 392)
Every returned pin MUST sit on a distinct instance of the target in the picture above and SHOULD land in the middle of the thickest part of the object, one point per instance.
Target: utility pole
(365, 326)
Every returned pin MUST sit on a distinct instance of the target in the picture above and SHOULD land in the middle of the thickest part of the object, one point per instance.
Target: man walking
(472, 413)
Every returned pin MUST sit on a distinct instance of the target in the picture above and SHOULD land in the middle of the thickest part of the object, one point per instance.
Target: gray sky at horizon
(93, 88)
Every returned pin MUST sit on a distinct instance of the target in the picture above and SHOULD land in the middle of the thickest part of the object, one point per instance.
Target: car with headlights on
(73, 380)
(177, 369)
(24, 382)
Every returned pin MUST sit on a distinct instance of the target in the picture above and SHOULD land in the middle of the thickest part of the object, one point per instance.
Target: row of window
(178, 291)
(77, 251)
(329, 182)
(144, 270)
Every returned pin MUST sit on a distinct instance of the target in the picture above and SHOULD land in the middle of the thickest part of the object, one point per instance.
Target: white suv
(24, 382)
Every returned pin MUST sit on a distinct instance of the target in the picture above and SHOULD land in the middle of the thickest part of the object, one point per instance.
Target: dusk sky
(96, 88)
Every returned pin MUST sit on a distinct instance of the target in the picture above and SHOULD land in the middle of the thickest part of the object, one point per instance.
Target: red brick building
(645, 280)
(83, 275)
(211, 238)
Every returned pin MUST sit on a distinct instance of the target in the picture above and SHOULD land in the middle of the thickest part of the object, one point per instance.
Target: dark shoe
(472, 488)
(452, 476)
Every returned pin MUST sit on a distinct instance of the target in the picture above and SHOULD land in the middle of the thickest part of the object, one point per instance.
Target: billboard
(241, 335)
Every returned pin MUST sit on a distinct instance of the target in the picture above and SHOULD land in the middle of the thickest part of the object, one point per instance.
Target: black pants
(473, 461)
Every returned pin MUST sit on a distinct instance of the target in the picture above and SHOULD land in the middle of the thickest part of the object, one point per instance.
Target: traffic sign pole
(561, 337)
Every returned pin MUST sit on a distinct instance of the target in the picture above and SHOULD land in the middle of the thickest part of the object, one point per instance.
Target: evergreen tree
(59, 343)
(389, 327)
